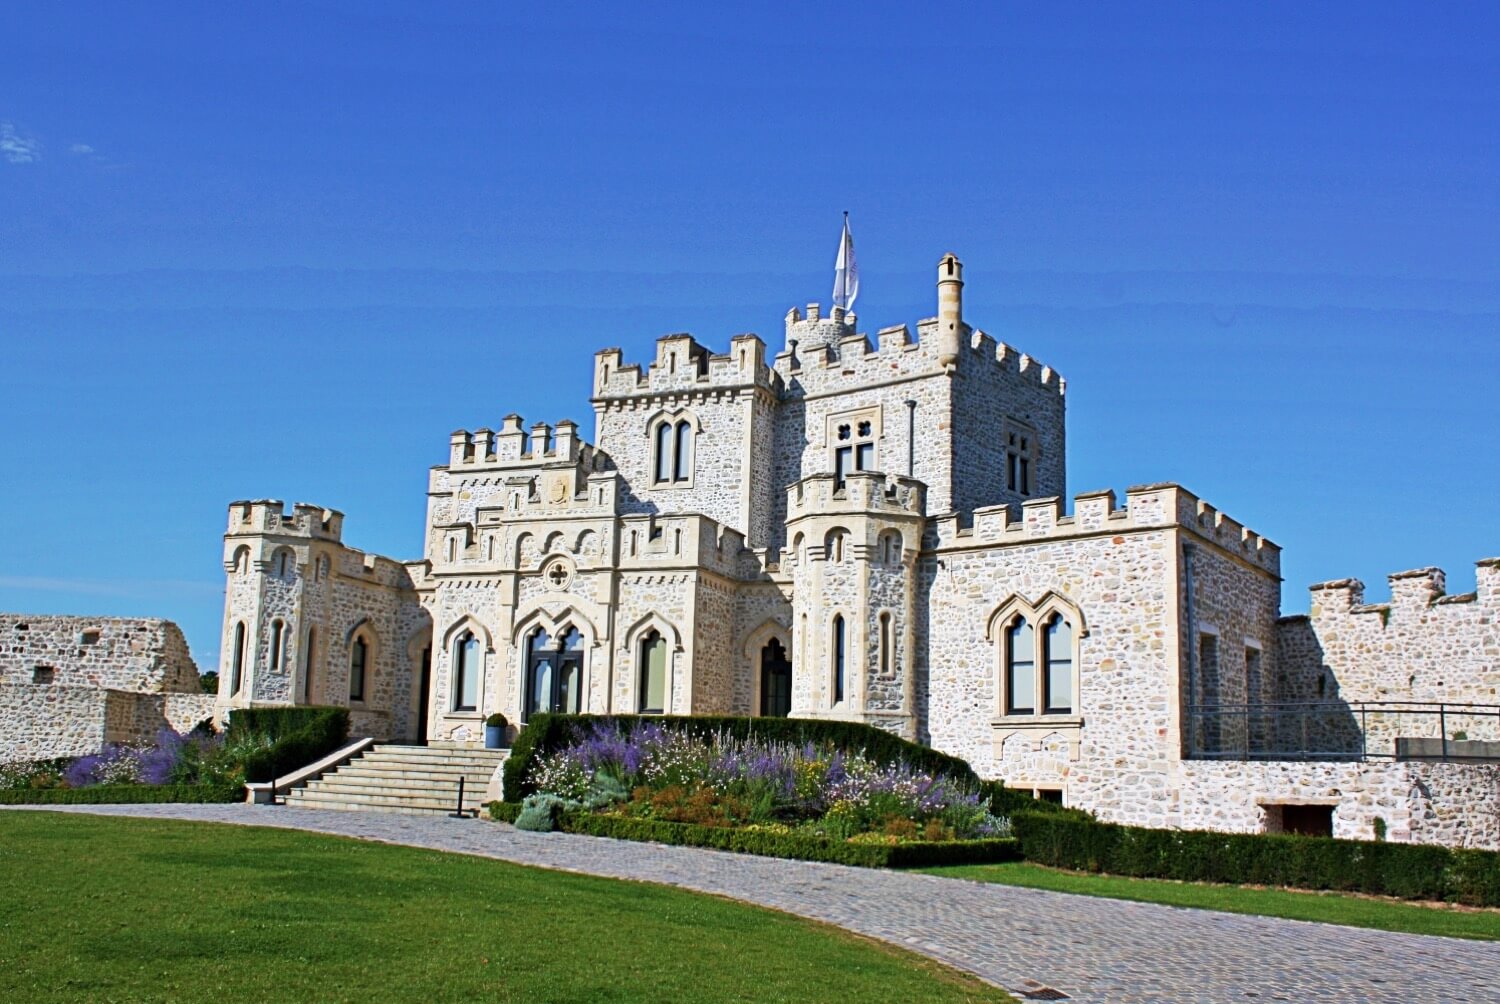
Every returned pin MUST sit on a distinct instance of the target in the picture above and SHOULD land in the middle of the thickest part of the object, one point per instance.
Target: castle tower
(950, 309)
(852, 548)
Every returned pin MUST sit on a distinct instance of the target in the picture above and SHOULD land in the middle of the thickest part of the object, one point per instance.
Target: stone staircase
(412, 779)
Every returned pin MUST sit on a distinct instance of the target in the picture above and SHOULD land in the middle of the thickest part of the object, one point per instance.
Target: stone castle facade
(875, 531)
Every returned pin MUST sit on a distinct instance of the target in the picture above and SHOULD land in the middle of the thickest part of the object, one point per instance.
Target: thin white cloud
(80, 149)
(111, 587)
(18, 149)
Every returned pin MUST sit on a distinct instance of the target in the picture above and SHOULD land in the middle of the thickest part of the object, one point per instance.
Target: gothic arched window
(672, 446)
(276, 655)
(468, 664)
(554, 673)
(359, 668)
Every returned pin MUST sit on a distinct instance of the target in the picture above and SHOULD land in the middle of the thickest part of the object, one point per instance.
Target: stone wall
(1454, 804)
(132, 654)
(50, 721)
(1421, 647)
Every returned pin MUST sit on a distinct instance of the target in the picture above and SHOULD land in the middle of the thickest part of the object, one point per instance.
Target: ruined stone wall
(41, 722)
(131, 654)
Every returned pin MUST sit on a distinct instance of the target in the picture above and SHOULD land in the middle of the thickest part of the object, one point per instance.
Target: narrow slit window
(359, 664)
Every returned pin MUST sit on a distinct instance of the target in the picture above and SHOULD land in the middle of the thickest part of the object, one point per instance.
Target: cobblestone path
(1022, 939)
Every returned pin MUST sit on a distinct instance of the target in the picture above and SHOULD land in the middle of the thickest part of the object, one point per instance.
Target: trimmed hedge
(299, 737)
(547, 733)
(102, 794)
(778, 845)
(1405, 871)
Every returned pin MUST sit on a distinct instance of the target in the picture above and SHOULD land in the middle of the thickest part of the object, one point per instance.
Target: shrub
(497, 719)
(299, 736)
(1406, 871)
(771, 841)
(541, 812)
(114, 793)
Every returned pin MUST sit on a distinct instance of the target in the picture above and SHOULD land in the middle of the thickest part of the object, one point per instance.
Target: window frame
(1021, 449)
(673, 438)
(464, 674)
(1040, 617)
(359, 660)
(652, 640)
(860, 450)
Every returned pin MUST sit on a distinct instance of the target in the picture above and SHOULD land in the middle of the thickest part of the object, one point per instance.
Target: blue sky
(283, 250)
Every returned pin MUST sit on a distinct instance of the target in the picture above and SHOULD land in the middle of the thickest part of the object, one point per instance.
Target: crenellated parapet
(868, 492)
(1414, 593)
(847, 359)
(514, 446)
(682, 369)
(1156, 506)
(270, 516)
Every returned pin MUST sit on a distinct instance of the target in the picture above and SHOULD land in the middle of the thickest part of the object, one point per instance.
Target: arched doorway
(775, 680)
(554, 672)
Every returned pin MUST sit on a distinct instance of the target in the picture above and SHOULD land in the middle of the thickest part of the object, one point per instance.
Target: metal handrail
(1262, 731)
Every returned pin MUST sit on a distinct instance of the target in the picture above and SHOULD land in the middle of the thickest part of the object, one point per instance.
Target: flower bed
(177, 767)
(762, 796)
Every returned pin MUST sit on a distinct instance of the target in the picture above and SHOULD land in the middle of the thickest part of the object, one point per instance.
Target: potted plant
(494, 731)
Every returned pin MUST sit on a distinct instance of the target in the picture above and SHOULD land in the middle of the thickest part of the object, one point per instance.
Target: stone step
(472, 752)
(413, 808)
(417, 800)
(378, 786)
(410, 773)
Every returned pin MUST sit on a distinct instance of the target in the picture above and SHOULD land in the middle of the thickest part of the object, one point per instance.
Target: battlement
(682, 366)
(1416, 591)
(513, 446)
(851, 360)
(270, 516)
(806, 332)
(861, 492)
(1146, 507)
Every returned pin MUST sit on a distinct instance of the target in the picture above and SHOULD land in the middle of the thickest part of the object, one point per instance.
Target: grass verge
(101, 908)
(1328, 908)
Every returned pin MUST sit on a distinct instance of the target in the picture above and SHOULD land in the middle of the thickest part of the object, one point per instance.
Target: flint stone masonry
(946, 522)
(68, 685)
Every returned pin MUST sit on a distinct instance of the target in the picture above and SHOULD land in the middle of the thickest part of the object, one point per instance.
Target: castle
(876, 532)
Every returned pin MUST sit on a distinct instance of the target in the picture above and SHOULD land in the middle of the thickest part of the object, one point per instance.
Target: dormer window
(853, 443)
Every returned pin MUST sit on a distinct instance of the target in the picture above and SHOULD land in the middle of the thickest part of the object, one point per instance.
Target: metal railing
(1345, 730)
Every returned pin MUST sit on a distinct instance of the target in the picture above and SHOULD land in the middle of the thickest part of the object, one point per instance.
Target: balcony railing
(1345, 731)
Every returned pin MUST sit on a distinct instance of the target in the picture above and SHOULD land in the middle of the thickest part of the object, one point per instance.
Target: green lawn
(1330, 908)
(95, 908)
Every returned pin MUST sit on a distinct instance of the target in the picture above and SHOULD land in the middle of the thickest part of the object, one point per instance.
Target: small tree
(209, 682)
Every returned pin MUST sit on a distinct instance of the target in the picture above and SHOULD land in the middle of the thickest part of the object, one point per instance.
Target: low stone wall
(137, 718)
(1454, 804)
(41, 722)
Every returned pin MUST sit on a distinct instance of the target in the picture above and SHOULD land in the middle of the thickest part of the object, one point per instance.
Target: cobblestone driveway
(1090, 949)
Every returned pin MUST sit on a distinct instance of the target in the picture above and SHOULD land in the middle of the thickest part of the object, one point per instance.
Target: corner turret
(950, 309)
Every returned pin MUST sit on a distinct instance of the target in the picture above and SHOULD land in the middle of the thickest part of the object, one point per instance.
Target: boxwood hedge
(298, 736)
(1406, 871)
(779, 845)
(101, 794)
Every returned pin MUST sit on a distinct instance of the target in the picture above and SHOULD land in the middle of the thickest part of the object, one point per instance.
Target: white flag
(845, 272)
